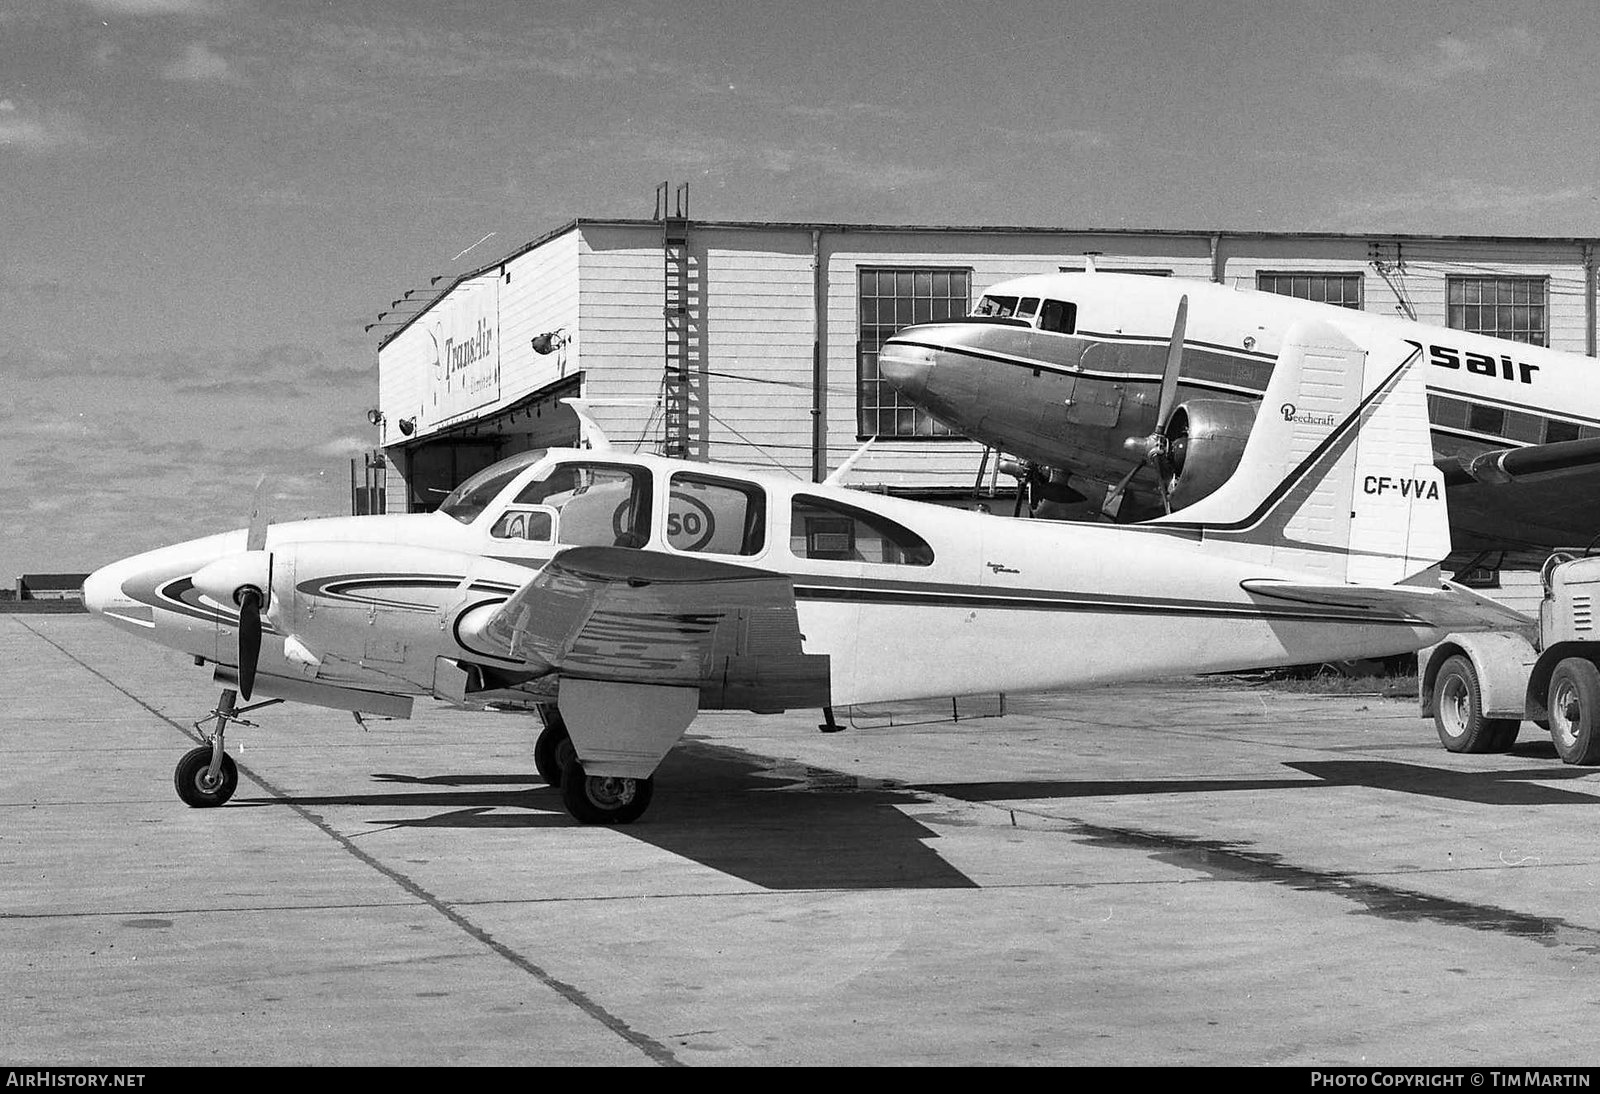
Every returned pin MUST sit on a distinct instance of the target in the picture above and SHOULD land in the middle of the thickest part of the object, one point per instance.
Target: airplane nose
(101, 588)
(905, 366)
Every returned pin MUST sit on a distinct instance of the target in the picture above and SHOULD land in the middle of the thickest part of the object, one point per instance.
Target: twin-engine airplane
(1129, 396)
(619, 595)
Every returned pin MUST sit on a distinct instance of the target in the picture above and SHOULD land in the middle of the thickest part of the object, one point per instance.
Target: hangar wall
(763, 303)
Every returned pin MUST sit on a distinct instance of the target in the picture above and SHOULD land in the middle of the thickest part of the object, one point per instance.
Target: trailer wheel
(1575, 710)
(1458, 712)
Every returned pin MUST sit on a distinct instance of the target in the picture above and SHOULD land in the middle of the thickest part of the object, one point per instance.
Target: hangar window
(595, 505)
(716, 516)
(1501, 307)
(889, 299)
(828, 530)
(1341, 289)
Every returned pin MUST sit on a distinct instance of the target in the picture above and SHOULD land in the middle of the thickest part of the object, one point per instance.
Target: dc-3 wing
(1537, 497)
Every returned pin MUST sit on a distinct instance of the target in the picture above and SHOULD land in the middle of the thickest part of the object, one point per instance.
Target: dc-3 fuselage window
(715, 516)
(1058, 316)
(828, 530)
(594, 505)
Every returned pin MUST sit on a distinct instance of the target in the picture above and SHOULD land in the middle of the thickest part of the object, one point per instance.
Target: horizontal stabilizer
(626, 616)
(1450, 607)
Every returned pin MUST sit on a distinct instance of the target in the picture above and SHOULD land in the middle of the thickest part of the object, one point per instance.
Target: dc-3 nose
(905, 365)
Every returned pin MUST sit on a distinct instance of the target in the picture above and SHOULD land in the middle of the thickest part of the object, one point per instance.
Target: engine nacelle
(1205, 439)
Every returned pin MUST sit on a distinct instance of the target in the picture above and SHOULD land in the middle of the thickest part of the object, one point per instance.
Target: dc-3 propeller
(1160, 450)
(244, 580)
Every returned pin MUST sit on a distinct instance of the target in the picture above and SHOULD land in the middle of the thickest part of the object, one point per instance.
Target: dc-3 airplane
(619, 594)
(1129, 395)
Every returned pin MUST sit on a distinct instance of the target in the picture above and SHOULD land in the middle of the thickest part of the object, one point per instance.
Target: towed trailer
(1480, 688)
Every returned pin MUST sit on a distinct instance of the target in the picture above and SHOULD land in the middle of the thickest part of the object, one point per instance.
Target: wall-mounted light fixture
(550, 341)
(408, 426)
(375, 416)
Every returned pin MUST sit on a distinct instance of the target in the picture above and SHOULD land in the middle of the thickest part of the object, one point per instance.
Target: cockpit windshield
(995, 307)
(466, 501)
(1052, 315)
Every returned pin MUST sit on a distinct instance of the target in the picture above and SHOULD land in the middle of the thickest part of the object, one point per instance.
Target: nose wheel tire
(602, 799)
(1575, 710)
(194, 782)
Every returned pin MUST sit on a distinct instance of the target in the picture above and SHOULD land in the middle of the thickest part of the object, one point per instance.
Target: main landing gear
(207, 775)
(591, 799)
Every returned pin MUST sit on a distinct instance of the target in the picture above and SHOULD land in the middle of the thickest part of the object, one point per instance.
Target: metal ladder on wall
(677, 320)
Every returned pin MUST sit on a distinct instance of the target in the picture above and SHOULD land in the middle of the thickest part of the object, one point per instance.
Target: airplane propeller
(1157, 450)
(244, 579)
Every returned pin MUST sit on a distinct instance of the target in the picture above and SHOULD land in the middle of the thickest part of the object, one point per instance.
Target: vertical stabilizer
(1337, 477)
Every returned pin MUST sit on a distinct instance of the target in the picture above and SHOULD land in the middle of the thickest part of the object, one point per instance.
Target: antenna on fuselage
(1088, 261)
(837, 478)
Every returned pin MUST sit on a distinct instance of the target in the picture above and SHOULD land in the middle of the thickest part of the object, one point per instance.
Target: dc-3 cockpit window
(1059, 316)
(996, 307)
(472, 497)
(828, 530)
(716, 516)
(589, 505)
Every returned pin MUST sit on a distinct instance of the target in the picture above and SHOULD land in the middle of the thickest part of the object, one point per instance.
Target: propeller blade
(1169, 376)
(249, 640)
(256, 538)
(1112, 505)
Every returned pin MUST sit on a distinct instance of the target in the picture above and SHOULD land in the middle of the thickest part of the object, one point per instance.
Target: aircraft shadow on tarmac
(777, 826)
(1497, 786)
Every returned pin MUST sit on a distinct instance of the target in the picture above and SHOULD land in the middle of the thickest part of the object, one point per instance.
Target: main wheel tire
(603, 799)
(194, 784)
(550, 752)
(1575, 710)
(1458, 712)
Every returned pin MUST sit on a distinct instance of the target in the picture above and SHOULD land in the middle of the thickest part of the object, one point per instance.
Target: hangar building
(756, 343)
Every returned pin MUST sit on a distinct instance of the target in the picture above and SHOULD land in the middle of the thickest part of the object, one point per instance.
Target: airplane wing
(617, 616)
(1451, 606)
(1539, 497)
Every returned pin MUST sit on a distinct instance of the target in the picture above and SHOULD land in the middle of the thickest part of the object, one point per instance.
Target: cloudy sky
(204, 201)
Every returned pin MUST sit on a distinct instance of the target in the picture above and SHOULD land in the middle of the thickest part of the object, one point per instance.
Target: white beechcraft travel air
(619, 594)
(1131, 395)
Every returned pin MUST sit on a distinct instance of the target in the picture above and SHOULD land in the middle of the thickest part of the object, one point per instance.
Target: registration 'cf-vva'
(617, 594)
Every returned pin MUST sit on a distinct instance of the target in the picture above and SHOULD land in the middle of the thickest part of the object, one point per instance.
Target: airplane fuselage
(1073, 398)
(906, 600)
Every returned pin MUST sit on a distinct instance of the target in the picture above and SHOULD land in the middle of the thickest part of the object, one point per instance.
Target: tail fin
(1337, 478)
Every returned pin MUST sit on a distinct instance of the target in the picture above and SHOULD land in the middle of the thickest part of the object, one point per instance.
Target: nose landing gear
(207, 775)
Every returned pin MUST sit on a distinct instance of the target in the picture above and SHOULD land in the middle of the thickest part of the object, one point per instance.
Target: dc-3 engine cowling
(1205, 439)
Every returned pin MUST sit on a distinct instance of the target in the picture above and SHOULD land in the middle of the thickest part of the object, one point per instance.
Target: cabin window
(1342, 290)
(1514, 308)
(890, 299)
(536, 524)
(715, 516)
(822, 529)
(595, 505)
(1058, 316)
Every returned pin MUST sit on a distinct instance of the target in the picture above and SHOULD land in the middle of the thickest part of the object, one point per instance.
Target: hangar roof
(975, 229)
